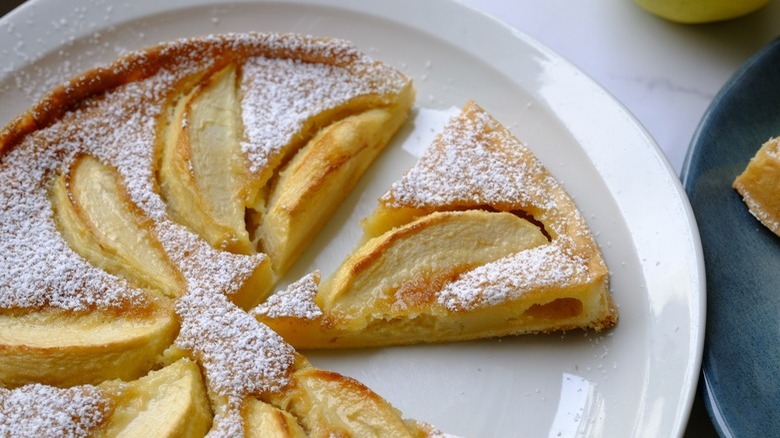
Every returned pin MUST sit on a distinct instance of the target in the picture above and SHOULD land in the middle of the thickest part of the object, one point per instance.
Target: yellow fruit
(700, 11)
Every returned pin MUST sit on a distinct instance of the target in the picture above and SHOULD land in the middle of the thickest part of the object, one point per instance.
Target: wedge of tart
(318, 403)
(759, 185)
(477, 240)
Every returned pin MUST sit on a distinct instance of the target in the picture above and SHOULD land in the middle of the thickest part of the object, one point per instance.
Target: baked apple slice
(203, 173)
(65, 349)
(399, 269)
(171, 402)
(394, 278)
(98, 220)
(329, 404)
(320, 176)
(263, 420)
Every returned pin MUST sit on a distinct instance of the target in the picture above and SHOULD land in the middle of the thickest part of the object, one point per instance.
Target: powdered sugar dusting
(241, 356)
(279, 95)
(227, 424)
(546, 266)
(39, 410)
(473, 161)
(296, 301)
(203, 265)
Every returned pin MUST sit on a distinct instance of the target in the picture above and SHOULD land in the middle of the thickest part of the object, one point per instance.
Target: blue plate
(741, 361)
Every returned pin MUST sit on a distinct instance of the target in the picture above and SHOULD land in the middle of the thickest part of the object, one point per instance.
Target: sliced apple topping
(329, 404)
(171, 402)
(203, 174)
(318, 179)
(261, 420)
(205, 177)
(399, 271)
(384, 219)
(65, 349)
(100, 222)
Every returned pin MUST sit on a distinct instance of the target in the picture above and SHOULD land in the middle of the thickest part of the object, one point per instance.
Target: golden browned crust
(759, 185)
(138, 65)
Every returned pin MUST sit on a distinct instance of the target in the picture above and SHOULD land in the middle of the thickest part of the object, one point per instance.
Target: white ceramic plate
(637, 379)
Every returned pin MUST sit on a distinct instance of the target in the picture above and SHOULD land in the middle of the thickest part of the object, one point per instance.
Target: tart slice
(759, 185)
(477, 240)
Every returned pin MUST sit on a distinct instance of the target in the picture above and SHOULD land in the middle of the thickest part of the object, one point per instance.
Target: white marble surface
(666, 74)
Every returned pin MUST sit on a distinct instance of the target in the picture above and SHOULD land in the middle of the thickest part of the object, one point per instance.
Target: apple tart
(146, 204)
(478, 239)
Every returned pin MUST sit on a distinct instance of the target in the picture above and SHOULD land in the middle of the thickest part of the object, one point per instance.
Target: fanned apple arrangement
(148, 208)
